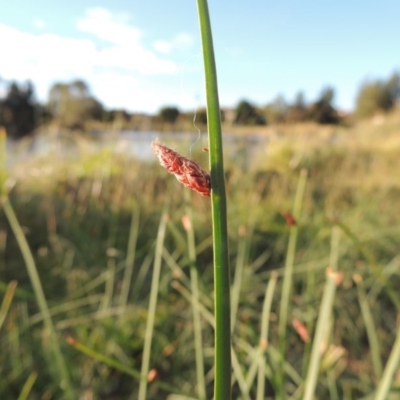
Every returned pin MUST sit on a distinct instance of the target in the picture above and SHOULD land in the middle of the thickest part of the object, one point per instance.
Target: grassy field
(101, 225)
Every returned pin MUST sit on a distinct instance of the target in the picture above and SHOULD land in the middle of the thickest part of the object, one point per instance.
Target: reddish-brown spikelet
(290, 220)
(188, 172)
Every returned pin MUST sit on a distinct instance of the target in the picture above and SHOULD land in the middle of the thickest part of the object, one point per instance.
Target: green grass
(91, 221)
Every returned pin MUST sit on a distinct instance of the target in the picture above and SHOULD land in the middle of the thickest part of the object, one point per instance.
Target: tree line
(72, 106)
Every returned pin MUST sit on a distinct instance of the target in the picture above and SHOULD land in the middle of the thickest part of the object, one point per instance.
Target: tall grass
(134, 298)
(65, 220)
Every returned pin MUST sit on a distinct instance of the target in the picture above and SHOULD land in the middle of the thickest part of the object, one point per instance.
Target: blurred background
(309, 96)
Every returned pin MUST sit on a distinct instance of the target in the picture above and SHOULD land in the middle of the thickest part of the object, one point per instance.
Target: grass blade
(7, 299)
(390, 369)
(152, 304)
(26, 389)
(369, 327)
(287, 278)
(323, 320)
(130, 256)
(264, 335)
(194, 284)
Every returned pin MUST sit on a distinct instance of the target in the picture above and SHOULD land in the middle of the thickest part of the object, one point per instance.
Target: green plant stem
(26, 389)
(264, 334)
(194, 285)
(238, 278)
(334, 254)
(370, 328)
(323, 321)
(222, 381)
(391, 366)
(7, 299)
(130, 256)
(287, 278)
(152, 304)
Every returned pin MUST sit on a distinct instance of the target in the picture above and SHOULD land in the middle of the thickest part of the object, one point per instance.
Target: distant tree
(372, 97)
(297, 112)
(199, 116)
(116, 114)
(322, 111)
(247, 114)
(169, 114)
(393, 86)
(73, 105)
(378, 96)
(18, 111)
(276, 111)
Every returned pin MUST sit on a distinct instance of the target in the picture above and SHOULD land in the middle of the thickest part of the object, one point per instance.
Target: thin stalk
(390, 369)
(310, 290)
(334, 254)
(130, 256)
(240, 377)
(109, 285)
(369, 327)
(323, 321)
(269, 292)
(237, 280)
(223, 368)
(333, 263)
(152, 304)
(287, 279)
(194, 285)
(7, 299)
(26, 389)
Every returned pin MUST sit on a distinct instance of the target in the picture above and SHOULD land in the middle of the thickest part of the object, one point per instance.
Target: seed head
(188, 172)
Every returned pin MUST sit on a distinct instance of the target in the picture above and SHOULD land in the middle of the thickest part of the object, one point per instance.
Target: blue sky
(142, 55)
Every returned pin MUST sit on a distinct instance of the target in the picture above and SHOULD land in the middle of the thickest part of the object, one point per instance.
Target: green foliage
(378, 96)
(247, 114)
(72, 105)
(169, 114)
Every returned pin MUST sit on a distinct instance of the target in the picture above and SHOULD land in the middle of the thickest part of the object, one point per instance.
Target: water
(133, 143)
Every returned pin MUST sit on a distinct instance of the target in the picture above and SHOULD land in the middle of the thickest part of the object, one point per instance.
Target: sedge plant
(212, 185)
(222, 378)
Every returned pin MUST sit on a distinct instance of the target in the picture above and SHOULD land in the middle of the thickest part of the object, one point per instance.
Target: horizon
(137, 60)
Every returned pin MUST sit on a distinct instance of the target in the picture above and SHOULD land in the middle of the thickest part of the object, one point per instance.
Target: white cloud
(116, 70)
(162, 46)
(106, 26)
